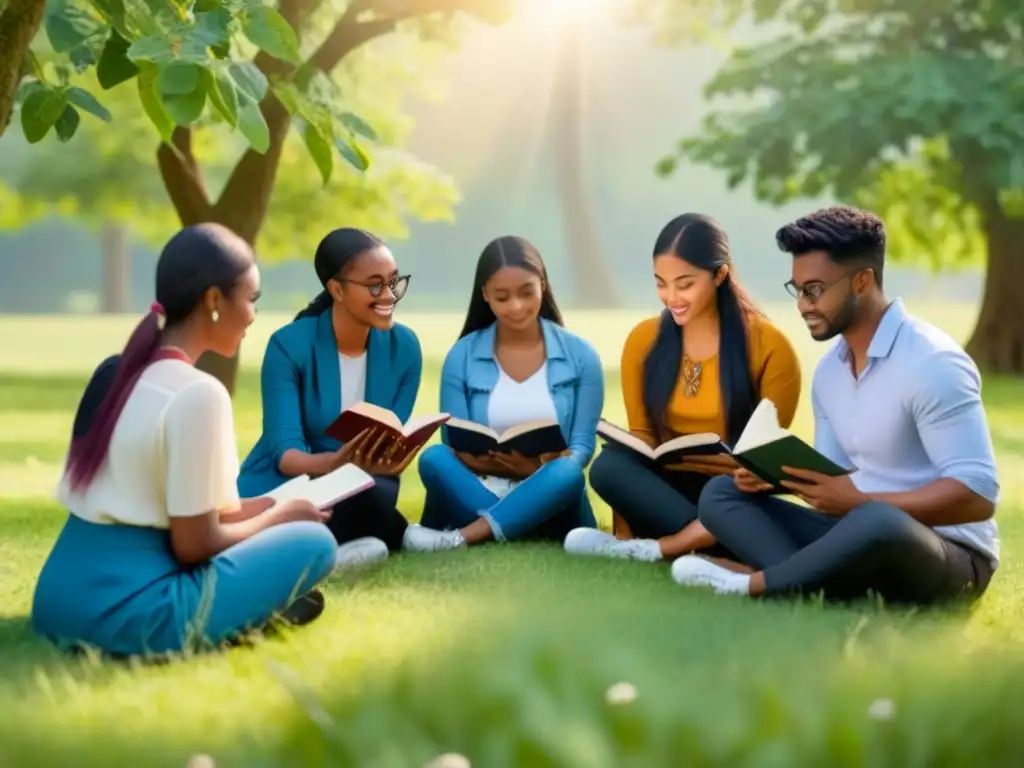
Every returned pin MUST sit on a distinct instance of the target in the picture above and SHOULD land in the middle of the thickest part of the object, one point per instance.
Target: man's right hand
(748, 482)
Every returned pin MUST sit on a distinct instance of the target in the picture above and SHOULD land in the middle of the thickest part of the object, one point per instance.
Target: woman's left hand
(517, 464)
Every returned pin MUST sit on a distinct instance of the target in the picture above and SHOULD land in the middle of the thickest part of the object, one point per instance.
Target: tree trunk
(997, 344)
(18, 24)
(594, 283)
(115, 269)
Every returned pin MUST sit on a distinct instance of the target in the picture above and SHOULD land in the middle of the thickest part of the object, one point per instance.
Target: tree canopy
(913, 108)
(257, 69)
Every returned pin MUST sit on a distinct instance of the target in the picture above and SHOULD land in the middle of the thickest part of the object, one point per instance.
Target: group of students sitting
(170, 544)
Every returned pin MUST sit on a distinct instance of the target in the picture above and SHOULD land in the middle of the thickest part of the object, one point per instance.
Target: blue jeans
(118, 588)
(547, 505)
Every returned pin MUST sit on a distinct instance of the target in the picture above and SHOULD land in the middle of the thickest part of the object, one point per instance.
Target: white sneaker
(420, 539)
(590, 541)
(697, 571)
(360, 553)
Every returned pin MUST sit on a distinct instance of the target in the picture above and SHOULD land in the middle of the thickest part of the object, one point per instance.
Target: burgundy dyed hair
(196, 259)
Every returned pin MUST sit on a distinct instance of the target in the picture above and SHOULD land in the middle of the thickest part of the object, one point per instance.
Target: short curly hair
(847, 234)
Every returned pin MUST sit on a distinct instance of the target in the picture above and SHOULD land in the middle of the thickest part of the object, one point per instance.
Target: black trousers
(653, 501)
(873, 548)
(373, 512)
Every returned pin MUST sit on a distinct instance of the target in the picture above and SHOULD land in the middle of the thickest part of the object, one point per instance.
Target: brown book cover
(415, 432)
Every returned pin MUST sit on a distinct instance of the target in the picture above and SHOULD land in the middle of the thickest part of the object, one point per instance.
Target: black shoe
(304, 610)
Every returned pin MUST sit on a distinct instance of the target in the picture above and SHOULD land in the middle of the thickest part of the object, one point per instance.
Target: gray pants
(874, 548)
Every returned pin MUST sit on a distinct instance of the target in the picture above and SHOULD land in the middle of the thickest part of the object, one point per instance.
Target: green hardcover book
(765, 448)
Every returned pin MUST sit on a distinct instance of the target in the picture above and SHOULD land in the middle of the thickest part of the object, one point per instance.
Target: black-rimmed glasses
(398, 285)
(814, 290)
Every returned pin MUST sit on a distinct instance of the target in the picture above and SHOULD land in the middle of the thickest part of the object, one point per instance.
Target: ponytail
(317, 306)
(89, 451)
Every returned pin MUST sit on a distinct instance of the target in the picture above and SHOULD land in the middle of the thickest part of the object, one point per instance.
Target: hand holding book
(833, 495)
(376, 452)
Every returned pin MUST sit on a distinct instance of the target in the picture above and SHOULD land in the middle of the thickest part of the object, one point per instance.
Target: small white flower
(620, 693)
(449, 760)
(201, 761)
(882, 709)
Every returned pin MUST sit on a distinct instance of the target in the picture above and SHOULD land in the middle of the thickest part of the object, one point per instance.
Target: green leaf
(114, 67)
(68, 26)
(320, 150)
(153, 105)
(84, 56)
(267, 29)
(40, 111)
(158, 50)
(205, 6)
(252, 125)
(186, 108)
(250, 81)
(357, 125)
(212, 28)
(221, 91)
(179, 78)
(113, 13)
(87, 102)
(67, 123)
(27, 88)
(288, 96)
(353, 153)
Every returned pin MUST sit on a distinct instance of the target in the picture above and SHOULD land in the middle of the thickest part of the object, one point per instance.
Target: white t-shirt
(172, 453)
(353, 379)
(512, 403)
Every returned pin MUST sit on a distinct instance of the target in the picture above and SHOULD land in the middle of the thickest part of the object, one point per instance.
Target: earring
(215, 315)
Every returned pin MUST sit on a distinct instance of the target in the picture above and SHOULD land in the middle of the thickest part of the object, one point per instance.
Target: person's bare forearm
(196, 550)
(943, 502)
(295, 462)
(248, 510)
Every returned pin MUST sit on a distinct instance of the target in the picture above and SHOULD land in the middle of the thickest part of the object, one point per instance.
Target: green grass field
(504, 654)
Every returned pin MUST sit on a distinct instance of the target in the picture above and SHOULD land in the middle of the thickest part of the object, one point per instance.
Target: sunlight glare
(566, 8)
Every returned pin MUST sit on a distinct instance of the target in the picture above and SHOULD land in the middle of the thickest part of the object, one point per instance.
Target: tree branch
(244, 202)
(349, 33)
(182, 178)
(18, 24)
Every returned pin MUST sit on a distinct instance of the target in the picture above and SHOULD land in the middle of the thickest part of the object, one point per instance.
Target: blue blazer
(575, 378)
(301, 386)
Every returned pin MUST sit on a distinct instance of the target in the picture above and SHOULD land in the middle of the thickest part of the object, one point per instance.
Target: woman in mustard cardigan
(702, 366)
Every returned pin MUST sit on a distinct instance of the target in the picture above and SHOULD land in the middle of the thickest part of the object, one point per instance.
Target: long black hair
(335, 252)
(507, 251)
(701, 241)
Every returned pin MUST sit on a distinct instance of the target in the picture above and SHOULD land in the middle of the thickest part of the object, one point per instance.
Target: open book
(353, 420)
(327, 490)
(671, 451)
(531, 438)
(764, 448)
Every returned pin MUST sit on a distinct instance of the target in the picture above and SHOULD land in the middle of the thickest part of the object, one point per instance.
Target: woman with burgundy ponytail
(159, 554)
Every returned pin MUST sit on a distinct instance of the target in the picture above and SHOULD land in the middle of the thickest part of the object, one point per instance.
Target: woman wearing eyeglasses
(344, 348)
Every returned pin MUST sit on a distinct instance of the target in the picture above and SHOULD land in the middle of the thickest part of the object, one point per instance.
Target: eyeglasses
(815, 290)
(398, 285)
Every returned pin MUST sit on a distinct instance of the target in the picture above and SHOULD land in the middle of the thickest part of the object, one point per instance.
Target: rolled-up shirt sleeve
(947, 408)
